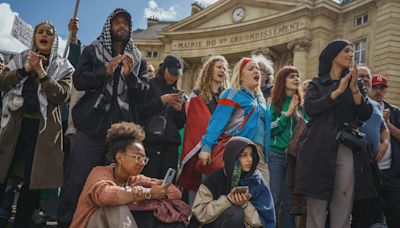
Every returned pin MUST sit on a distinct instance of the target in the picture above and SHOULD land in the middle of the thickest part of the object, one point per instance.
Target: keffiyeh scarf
(57, 69)
(103, 47)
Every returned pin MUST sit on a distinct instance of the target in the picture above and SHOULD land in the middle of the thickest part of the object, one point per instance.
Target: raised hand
(344, 83)
(127, 61)
(294, 104)
(113, 64)
(73, 27)
(354, 78)
(34, 61)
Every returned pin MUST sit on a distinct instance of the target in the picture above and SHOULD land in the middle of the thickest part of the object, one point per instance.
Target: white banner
(22, 31)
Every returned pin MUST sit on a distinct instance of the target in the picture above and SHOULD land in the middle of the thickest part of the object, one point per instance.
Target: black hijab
(328, 55)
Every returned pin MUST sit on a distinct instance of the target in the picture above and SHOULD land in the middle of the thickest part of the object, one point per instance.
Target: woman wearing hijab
(328, 171)
(212, 80)
(218, 204)
(243, 102)
(34, 84)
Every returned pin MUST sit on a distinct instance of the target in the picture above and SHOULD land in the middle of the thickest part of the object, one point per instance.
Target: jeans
(281, 192)
(8, 199)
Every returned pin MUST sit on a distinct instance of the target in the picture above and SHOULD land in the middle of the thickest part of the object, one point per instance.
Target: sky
(91, 13)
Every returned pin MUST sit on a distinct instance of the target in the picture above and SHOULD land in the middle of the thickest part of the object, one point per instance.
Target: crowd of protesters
(86, 141)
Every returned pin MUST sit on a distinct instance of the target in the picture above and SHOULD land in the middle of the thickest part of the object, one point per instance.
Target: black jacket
(90, 76)
(316, 161)
(153, 106)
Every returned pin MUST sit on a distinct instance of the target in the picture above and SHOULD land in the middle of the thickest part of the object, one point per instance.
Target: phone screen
(242, 189)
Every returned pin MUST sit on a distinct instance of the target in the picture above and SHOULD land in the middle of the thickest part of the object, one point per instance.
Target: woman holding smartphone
(111, 192)
(236, 194)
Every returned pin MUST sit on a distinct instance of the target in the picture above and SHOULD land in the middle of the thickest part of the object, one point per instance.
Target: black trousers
(231, 217)
(28, 200)
(162, 156)
(147, 219)
(391, 196)
(87, 153)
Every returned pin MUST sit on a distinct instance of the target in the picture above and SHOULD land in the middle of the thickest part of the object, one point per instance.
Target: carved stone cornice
(299, 44)
(267, 52)
(210, 14)
(243, 27)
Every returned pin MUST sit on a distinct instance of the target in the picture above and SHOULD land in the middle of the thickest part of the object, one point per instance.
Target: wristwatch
(147, 195)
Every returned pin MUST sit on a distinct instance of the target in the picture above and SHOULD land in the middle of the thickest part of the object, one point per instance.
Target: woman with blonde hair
(241, 111)
(211, 81)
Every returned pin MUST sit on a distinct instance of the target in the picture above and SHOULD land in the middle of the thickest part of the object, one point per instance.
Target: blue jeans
(281, 192)
(8, 199)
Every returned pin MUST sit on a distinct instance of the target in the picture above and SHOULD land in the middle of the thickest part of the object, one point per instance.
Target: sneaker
(38, 217)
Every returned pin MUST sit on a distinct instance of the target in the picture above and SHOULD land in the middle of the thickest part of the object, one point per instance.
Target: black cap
(123, 13)
(174, 65)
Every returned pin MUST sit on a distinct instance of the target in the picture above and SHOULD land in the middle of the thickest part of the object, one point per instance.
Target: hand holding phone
(169, 176)
(241, 189)
(239, 195)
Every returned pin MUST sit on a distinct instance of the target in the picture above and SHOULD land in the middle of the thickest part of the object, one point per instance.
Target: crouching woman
(219, 203)
(106, 195)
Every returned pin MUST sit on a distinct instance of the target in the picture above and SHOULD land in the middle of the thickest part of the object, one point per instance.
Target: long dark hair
(278, 92)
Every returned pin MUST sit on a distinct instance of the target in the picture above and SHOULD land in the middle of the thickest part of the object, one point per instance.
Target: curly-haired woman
(211, 81)
(242, 104)
(110, 189)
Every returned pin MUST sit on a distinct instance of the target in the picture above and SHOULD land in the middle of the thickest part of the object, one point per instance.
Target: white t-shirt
(386, 161)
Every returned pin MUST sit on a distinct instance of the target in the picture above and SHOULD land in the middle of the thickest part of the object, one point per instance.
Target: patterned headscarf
(103, 48)
(58, 68)
(103, 43)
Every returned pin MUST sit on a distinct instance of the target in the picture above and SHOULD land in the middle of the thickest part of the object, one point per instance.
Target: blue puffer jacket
(234, 105)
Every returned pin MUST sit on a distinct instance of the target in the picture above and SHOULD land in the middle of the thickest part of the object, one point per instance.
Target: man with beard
(382, 131)
(389, 164)
(113, 75)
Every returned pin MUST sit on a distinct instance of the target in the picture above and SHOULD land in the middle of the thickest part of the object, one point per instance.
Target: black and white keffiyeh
(57, 69)
(103, 47)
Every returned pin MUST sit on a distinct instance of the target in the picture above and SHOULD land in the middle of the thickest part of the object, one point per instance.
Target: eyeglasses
(140, 158)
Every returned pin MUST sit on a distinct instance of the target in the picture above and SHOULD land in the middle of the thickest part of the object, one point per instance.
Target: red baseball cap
(379, 80)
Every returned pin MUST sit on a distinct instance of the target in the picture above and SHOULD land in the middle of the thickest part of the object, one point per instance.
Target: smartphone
(180, 92)
(169, 176)
(241, 189)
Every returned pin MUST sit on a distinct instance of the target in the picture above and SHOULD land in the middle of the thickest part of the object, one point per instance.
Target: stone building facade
(287, 32)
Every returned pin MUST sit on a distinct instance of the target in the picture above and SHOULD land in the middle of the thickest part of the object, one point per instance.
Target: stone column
(300, 47)
(185, 82)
